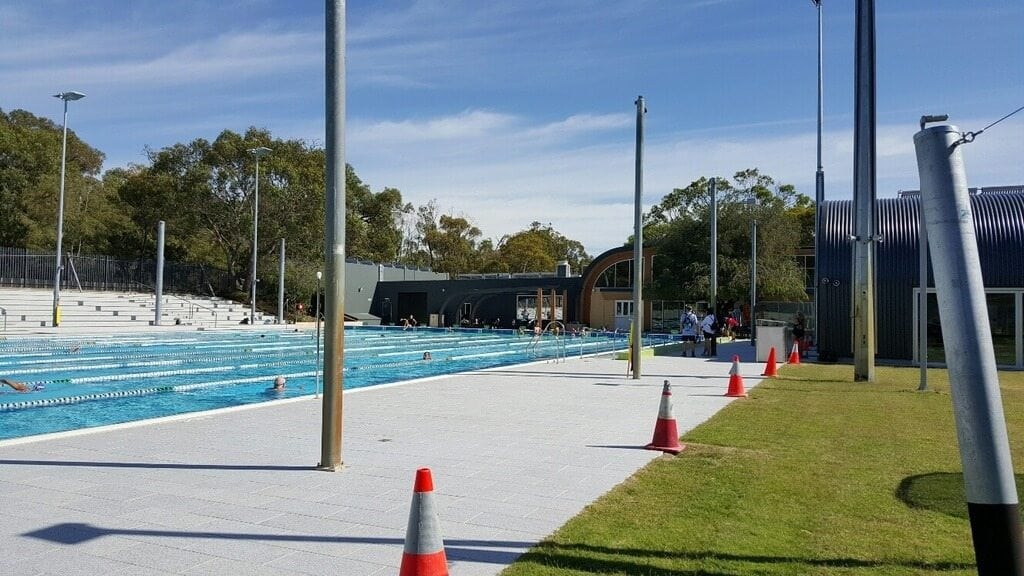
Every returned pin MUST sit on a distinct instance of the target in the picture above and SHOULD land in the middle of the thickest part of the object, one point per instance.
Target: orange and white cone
(666, 434)
(769, 367)
(424, 547)
(794, 354)
(736, 389)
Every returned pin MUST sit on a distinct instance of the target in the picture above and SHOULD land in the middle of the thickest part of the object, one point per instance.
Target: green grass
(812, 474)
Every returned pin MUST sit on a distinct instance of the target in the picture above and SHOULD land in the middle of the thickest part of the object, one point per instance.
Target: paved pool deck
(515, 453)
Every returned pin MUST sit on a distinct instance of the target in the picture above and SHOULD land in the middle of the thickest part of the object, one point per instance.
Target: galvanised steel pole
(863, 309)
(334, 243)
(922, 301)
(638, 241)
(753, 283)
(259, 152)
(159, 270)
(819, 190)
(280, 288)
(712, 186)
(66, 97)
(255, 229)
(992, 503)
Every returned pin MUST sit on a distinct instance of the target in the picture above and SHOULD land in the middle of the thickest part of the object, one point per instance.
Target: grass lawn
(812, 474)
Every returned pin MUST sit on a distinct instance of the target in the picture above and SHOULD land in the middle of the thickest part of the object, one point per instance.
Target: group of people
(694, 330)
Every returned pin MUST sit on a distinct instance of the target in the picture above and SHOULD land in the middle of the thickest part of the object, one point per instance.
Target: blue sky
(519, 111)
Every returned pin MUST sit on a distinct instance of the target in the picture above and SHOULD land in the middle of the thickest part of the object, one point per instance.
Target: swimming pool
(86, 381)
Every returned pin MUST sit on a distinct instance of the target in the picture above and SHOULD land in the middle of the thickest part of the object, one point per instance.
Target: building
(999, 228)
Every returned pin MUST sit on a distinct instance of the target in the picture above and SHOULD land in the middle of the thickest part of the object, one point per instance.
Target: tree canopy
(205, 193)
(680, 226)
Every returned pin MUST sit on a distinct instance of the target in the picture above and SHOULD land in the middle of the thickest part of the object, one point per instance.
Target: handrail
(192, 305)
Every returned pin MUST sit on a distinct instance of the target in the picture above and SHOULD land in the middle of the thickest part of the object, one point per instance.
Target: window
(623, 308)
(618, 275)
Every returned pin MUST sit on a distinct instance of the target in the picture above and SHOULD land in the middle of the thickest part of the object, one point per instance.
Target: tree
(30, 153)
(538, 249)
(681, 227)
(373, 221)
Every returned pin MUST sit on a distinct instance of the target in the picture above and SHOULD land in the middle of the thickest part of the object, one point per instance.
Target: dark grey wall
(490, 298)
(361, 279)
(999, 226)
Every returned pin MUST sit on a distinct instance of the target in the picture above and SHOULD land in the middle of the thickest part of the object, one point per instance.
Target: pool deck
(515, 453)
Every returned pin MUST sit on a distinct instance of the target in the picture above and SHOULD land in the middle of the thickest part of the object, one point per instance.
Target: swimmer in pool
(279, 384)
(18, 386)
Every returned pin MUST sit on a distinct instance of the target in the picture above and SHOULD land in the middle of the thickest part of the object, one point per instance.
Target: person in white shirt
(707, 326)
(688, 330)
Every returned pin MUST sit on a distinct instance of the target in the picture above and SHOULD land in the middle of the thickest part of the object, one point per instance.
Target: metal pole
(922, 302)
(316, 388)
(713, 299)
(159, 270)
(992, 503)
(60, 217)
(280, 288)
(863, 309)
(753, 283)
(819, 190)
(638, 241)
(334, 243)
(255, 228)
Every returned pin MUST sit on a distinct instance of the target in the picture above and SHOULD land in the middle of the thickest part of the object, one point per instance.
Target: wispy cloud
(586, 192)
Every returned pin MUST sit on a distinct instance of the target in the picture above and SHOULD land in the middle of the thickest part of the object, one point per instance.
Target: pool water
(96, 380)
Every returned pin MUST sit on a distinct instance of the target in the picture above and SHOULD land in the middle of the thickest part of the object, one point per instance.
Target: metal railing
(24, 269)
(192, 306)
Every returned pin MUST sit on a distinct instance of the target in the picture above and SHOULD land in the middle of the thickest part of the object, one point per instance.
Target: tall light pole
(259, 153)
(753, 282)
(66, 97)
(819, 192)
(712, 186)
(638, 241)
(319, 276)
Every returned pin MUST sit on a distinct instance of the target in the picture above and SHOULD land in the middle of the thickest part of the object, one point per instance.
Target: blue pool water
(88, 381)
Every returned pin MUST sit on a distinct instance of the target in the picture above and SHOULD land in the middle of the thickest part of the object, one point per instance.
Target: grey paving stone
(514, 453)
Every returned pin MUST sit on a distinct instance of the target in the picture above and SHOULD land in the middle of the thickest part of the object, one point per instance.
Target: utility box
(773, 333)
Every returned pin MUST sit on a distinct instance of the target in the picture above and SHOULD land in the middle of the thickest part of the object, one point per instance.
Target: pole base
(996, 531)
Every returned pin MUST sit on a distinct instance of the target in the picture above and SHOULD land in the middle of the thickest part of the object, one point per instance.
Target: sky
(518, 111)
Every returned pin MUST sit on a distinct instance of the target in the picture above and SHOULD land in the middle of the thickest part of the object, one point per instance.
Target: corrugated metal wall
(999, 226)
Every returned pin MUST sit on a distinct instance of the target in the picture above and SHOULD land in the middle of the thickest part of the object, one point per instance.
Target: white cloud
(587, 192)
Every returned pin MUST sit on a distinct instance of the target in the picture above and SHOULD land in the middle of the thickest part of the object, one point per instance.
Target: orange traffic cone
(666, 435)
(736, 389)
(794, 354)
(769, 367)
(424, 548)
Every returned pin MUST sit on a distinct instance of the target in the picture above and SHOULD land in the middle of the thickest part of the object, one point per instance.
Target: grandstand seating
(26, 308)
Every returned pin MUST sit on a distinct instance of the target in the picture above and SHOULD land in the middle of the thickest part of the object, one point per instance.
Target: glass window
(623, 308)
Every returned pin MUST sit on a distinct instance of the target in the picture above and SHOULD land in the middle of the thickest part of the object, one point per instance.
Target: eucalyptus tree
(30, 152)
(680, 225)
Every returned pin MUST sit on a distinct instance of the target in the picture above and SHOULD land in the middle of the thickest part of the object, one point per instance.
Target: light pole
(66, 97)
(753, 283)
(259, 153)
(319, 275)
(712, 186)
(819, 191)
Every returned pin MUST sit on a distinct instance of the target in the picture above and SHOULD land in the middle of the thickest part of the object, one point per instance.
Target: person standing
(709, 327)
(799, 333)
(688, 330)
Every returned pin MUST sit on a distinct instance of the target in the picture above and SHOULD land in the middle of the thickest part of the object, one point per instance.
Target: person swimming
(17, 386)
(279, 384)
